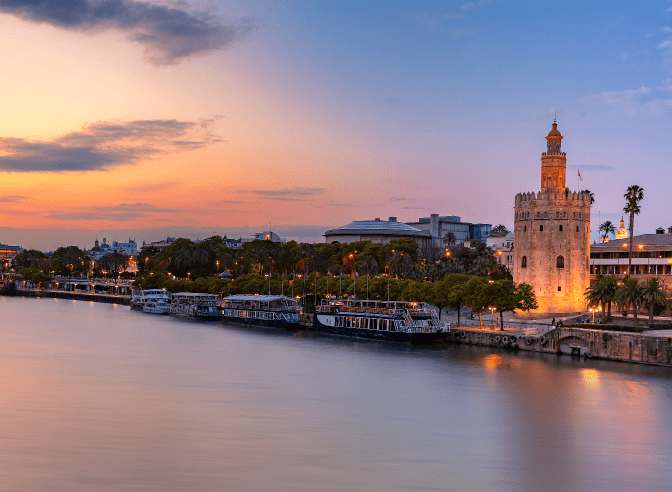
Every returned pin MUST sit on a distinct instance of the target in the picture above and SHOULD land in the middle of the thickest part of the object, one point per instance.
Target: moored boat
(156, 305)
(195, 305)
(262, 310)
(395, 321)
(140, 297)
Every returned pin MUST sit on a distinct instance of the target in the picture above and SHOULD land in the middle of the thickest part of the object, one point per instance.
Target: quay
(642, 348)
(77, 295)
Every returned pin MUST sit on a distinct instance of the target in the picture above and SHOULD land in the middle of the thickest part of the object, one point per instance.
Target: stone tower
(552, 237)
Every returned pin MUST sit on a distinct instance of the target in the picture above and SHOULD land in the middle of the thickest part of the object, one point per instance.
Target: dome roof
(376, 227)
(554, 132)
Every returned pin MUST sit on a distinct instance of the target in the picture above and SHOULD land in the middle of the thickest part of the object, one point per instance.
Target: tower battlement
(539, 196)
(553, 154)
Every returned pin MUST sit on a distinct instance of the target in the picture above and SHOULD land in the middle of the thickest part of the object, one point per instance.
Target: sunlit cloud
(117, 213)
(665, 44)
(168, 34)
(101, 146)
(633, 100)
(12, 198)
(298, 191)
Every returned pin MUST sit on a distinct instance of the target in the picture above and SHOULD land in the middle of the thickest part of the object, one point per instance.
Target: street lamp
(492, 318)
(217, 267)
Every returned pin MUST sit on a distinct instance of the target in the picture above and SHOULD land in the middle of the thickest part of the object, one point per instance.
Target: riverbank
(79, 296)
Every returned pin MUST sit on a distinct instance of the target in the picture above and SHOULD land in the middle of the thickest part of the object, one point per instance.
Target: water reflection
(104, 398)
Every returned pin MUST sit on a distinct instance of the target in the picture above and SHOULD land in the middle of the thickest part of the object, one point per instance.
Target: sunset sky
(146, 119)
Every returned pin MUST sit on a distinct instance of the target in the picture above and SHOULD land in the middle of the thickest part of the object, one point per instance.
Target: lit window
(560, 262)
(523, 262)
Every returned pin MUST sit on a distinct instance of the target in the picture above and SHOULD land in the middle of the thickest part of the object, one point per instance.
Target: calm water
(97, 397)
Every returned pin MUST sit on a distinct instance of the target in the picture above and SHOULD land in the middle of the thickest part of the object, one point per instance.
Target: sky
(158, 118)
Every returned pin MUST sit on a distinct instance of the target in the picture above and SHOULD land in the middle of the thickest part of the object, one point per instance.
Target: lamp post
(492, 317)
(217, 267)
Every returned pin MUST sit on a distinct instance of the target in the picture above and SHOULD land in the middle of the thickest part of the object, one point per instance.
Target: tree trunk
(501, 319)
(480, 320)
(632, 217)
(651, 313)
(603, 314)
(458, 316)
(634, 310)
(609, 311)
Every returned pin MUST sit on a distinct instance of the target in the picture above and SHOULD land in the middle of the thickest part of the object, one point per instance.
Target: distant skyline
(224, 116)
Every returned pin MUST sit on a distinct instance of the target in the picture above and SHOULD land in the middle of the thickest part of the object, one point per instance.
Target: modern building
(651, 257)
(552, 231)
(376, 231)
(439, 226)
(8, 253)
(501, 244)
(159, 245)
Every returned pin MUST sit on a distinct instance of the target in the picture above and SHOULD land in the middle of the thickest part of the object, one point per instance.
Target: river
(96, 397)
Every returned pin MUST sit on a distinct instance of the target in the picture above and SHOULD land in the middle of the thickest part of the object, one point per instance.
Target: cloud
(298, 191)
(12, 198)
(665, 44)
(116, 213)
(593, 168)
(101, 146)
(629, 100)
(668, 10)
(168, 34)
(666, 29)
(154, 187)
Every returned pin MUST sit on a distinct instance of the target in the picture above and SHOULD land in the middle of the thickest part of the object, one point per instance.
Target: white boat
(272, 311)
(156, 305)
(193, 305)
(140, 297)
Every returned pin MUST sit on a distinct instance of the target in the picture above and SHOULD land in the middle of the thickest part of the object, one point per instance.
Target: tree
(455, 292)
(607, 227)
(449, 239)
(526, 298)
(31, 258)
(633, 196)
(599, 294)
(400, 264)
(653, 294)
(115, 262)
(477, 296)
(589, 193)
(500, 228)
(629, 294)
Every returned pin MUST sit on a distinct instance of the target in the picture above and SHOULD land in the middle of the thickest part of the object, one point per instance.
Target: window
(560, 229)
(523, 262)
(577, 228)
(560, 263)
(559, 288)
(524, 228)
(541, 228)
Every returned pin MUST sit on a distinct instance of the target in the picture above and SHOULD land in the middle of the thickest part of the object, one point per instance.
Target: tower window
(559, 288)
(560, 229)
(577, 228)
(560, 262)
(541, 228)
(523, 262)
(524, 228)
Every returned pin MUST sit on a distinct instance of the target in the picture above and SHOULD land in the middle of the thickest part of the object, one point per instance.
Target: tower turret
(553, 163)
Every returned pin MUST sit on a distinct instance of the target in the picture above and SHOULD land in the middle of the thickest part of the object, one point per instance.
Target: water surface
(96, 397)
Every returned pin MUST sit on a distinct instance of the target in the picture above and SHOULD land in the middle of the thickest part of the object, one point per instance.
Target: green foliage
(31, 259)
(69, 260)
(34, 275)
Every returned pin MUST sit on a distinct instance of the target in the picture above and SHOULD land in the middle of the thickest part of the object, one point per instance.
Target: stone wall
(550, 228)
(611, 345)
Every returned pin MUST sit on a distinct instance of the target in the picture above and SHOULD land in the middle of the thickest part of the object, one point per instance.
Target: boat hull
(415, 338)
(279, 324)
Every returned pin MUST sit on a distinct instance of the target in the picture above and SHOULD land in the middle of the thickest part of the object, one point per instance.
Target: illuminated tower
(552, 237)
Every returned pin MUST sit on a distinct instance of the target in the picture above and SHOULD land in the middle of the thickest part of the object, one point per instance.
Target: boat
(262, 310)
(395, 321)
(139, 297)
(195, 305)
(156, 305)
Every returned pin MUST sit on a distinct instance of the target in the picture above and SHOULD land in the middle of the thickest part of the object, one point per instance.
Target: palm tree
(449, 239)
(607, 227)
(598, 293)
(630, 293)
(633, 196)
(400, 264)
(591, 194)
(652, 294)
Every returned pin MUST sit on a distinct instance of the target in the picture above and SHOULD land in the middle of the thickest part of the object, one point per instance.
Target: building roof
(644, 239)
(382, 227)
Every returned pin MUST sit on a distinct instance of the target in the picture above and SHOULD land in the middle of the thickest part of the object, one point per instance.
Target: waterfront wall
(610, 345)
(79, 296)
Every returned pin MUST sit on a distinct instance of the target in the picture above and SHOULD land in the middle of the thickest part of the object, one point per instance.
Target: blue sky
(308, 115)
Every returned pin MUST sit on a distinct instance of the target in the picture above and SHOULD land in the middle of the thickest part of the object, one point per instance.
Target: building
(622, 232)
(376, 231)
(159, 245)
(438, 226)
(264, 236)
(8, 253)
(552, 231)
(501, 244)
(651, 257)
(101, 249)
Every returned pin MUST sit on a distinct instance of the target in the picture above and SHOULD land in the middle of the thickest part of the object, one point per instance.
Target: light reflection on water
(97, 397)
